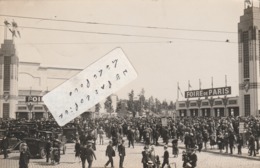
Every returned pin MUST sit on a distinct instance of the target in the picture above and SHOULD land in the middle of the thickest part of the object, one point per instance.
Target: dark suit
(87, 153)
(165, 158)
(5, 145)
(121, 152)
(109, 153)
(24, 159)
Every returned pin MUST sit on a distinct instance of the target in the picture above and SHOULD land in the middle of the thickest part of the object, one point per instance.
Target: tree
(171, 106)
(97, 107)
(158, 106)
(142, 100)
(130, 102)
(108, 105)
(165, 105)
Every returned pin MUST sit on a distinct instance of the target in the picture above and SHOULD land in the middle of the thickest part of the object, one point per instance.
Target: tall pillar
(8, 79)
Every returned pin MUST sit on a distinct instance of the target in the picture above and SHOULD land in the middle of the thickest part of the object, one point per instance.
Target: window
(22, 108)
(218, 102)
(6, 109)
(7, 63)
(205, 103)
(193, 104)
(38, 108)
(247, 105)
(232, 102)
(181, 105)
(245, 54)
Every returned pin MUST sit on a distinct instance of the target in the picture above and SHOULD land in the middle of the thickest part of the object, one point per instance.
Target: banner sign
(33, 99)
(164, 122)
(241, 127)
(208, 92)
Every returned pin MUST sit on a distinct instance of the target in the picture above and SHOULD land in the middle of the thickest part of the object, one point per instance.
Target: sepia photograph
(129, 83)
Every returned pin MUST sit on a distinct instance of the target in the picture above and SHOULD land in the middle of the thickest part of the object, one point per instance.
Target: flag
(179, 90)
(189, 86)
(15, 29)
(248, 1)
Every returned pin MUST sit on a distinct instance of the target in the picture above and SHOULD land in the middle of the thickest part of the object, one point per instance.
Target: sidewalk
(215, 150)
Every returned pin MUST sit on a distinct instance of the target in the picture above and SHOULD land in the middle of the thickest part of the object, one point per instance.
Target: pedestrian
(121, 152)
(77, 149)
(83, 155)
(48, 146)
(130, 137)
(5, 145)
(175, 150)
(56, 152)
(90, 154)
(24, 157)
(251, 144)
(101, 136)
(145, 156)
(239, 144)
(165, 157)
(231, 140)
(110, 153)
(157, 162)
(193, 158)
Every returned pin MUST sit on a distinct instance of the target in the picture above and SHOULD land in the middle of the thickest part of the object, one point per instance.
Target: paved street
(133, 159)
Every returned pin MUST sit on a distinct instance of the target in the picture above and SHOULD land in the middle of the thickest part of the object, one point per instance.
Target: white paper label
(90, 86)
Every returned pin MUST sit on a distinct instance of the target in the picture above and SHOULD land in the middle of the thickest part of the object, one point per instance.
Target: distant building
(249, 67)
(22, 84)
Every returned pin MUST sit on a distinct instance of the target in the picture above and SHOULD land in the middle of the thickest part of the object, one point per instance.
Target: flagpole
(5, 32)
(177, 90)
(189, 85)
(226, 80)
(200, 84)
(212, 82)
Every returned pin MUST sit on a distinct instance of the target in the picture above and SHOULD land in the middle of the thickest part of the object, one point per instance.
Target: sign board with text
(33, 99)
(208, 92)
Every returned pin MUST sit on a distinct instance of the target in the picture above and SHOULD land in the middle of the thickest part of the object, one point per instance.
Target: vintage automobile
(70, 131)
(14, 139)
(37, 145)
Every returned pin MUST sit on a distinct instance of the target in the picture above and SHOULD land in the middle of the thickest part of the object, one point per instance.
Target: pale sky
(159, 62)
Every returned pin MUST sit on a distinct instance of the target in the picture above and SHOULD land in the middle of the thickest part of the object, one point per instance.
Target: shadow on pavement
(14, 158)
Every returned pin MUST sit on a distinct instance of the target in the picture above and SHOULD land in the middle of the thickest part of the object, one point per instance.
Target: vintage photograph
(129, 83)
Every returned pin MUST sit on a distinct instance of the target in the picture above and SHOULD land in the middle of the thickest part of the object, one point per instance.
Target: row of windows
(245, 54)
(230, 102)
(7, 63)
(25, 108)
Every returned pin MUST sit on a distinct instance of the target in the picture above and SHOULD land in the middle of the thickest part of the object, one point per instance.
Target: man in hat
(121, 152)
(110, 153)
(193, 158)
(48, 146)
(5, 145)
(24, 157)
(146, 155)
(89, 154)
(165, 157)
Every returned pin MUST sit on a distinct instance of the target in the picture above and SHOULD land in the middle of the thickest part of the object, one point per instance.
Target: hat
(150, 162)
(91, 141)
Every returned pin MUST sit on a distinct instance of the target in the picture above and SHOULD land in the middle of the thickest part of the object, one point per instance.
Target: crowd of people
(195, 133)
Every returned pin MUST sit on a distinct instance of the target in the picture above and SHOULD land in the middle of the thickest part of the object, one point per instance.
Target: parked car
(37, 145)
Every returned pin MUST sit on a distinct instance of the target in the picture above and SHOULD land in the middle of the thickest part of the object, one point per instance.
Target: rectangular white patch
(90, 86)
